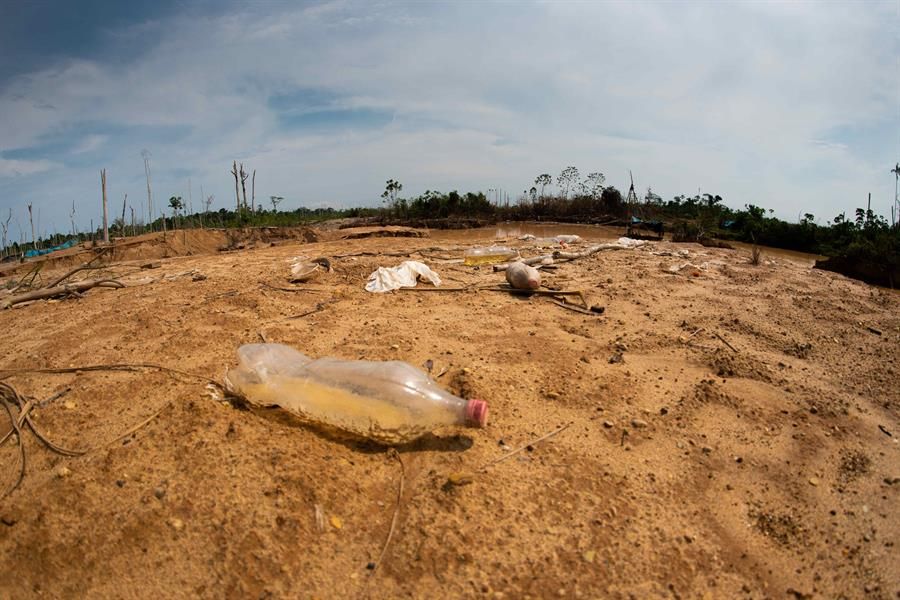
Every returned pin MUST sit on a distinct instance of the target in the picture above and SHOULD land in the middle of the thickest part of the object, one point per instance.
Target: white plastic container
(391, 402)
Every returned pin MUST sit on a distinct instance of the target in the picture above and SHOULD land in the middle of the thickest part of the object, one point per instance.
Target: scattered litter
(488, 256)
(405, 275)
(687, 268)
(627, 242)
(304, 269)
(567, 239)
(523, 277)
(678, 253)
(390, 402)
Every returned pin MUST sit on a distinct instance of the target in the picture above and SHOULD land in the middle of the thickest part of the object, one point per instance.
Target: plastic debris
(488, 256)
(391, 402)
(406, 274)
(523, 277)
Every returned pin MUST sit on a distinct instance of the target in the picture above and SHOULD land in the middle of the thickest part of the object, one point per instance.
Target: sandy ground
(688, 469)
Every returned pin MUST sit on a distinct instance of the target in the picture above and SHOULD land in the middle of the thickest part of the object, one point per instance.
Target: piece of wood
(433, 289)
(155, 264)
(61, 290)
(724, 341)
(291, 289)
(319, 308)
(874, 330)
(559, 254)
(83, 267)
(575, 308)
(528, 261)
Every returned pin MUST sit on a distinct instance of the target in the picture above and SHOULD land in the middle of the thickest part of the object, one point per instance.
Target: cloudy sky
(792, 106)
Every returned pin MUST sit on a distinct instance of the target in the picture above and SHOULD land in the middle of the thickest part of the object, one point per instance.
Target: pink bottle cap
(477, 412)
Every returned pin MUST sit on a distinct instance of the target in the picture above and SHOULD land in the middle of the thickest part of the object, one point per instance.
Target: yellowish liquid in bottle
(365, 416)
(488, 258)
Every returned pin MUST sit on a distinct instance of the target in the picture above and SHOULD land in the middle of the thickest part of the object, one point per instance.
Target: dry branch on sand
(18, 408)
(62, 290)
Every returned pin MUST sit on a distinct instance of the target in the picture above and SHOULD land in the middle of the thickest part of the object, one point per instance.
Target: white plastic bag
(406, 275)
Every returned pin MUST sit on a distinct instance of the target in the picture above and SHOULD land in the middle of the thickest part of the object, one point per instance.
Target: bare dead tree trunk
(72, 218)
(237, 193)
(124, 202)
(253, 193)
(31, 219)
(105, 207)
(201, 200)
(132, 221)
(146, 155)
(244, 176)
(6, 233)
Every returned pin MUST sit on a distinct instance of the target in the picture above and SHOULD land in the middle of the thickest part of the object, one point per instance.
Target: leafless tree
(72, 219)
(244, 177)
(105, 207)
(237, 192)
(31, 219)
(146, 154)
(5, 226)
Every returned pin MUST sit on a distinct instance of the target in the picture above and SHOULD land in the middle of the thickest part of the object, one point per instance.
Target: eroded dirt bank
(688, 468)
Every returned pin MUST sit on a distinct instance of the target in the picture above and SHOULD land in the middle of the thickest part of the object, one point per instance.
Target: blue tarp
(32, 253)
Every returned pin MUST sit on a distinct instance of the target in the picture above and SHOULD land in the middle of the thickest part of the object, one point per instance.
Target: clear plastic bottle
(488, 256)
(391, 402)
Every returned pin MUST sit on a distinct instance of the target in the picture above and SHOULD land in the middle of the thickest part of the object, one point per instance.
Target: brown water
(780, 254)
(595, 233)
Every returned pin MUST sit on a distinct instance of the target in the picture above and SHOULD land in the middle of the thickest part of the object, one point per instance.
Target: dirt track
(688, 470)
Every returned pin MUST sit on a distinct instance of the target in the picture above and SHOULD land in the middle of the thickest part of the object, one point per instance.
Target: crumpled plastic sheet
(407, 274)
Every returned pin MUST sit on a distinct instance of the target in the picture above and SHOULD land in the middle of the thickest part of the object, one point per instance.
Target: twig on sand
(17, 429)
(62, 290)
(319, 308)
(528, 261)
(724, 341)
(434, 289)
(262, 336)
(139, 425)
(387, 542)
(510, 290)
(524, 447)
(54, 397)
(373, 254)
(559, 254)
(291, 289)
(126, 367)
(85, 266)
(33, 272)
(10, 397)
(575, 308)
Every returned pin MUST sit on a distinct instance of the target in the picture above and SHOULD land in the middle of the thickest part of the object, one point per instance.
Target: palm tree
(177, 204)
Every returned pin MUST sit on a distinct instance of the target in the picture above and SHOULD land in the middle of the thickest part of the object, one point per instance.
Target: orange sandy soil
(687, 470)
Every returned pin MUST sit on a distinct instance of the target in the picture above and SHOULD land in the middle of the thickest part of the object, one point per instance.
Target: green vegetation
(866, 243)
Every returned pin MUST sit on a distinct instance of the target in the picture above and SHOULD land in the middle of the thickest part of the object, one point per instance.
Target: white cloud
(741, 99)
(19, 168)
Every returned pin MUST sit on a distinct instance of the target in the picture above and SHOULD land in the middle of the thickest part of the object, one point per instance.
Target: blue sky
(793, 106)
